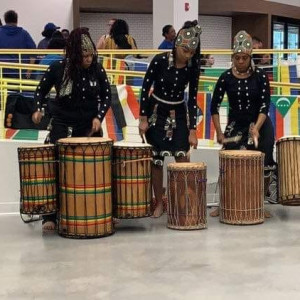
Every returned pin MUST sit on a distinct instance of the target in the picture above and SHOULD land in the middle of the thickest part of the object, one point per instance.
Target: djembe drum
(288, 160)
(85, 187)
(186, 196)
(241, 187)
(132, 190)
(38, 188)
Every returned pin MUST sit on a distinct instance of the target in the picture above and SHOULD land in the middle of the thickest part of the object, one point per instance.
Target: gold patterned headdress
(242, 43)
(189, 37)
(86, 43)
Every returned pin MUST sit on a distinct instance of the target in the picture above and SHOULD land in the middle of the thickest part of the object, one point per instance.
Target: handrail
(145, 51)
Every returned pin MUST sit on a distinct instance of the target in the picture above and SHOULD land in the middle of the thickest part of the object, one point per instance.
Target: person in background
(101, 41)
(83, 95)
(14, 37)
(65, 33)
(207, 60)
(169, 33)
(167, 121)
(260, 59)
(49, 29)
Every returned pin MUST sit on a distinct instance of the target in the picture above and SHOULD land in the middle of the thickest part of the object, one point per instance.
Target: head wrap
(242, 43)
(86, 43)
(189, 37)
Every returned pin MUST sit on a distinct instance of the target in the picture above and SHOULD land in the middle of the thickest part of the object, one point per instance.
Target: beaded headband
(189, 37)
(242, 43)
(86, 43)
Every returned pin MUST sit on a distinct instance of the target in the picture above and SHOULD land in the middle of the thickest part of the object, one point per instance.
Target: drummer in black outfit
(83, 95)
(248, 91)
(167, 121)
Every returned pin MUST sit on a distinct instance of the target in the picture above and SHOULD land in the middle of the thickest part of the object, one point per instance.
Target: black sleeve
(264, 91)
(192, 100)
(105, 93)
(218, 95)
(148, 81)
(47, 82)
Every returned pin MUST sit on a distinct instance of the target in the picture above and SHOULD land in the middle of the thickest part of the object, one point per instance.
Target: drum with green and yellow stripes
(132, 191)
(38, 188)
(85, 187)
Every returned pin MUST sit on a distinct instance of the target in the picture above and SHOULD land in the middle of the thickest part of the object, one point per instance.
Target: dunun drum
(288, 160)
(85, 187)
(38, 188)
(186, 196)
(132, 190)
(241, 187)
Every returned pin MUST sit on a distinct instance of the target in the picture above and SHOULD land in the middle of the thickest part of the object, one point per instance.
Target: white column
(173, 12)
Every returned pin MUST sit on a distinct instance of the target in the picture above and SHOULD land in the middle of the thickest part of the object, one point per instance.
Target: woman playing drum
(248, 92)
(83, 94)
(169, 126)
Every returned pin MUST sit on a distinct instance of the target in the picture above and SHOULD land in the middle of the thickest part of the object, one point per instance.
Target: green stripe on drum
(38, 182)
(85, 191)
(121, 204)
(86, 218)
(84, 159)
(38, 198)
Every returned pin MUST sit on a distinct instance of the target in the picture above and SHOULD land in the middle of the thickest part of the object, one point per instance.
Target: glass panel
(293, 41)
(278, 40)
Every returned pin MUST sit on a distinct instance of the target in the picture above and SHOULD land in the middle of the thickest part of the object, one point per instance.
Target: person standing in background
(14, 37)
(169, 33)
(101, 41)
(48, 31)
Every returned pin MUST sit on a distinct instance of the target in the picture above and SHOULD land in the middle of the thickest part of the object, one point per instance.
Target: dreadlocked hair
(118, 32)
(195, 66)
(74, 57)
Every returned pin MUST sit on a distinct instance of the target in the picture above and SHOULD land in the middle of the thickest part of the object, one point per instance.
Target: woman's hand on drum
(220, 137)
(37, 117)
(144, 125)
(193, 141)
(96, 125)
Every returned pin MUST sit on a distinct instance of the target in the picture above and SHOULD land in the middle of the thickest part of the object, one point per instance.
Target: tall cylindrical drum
(38, 188)
(132, 189)
(288, 160)
(85, 187)
(186, 196)
(241, 187)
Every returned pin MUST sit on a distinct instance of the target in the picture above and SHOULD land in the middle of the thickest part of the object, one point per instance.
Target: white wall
(140, 26)
(33, 15)
(288, 2)
(216, 31)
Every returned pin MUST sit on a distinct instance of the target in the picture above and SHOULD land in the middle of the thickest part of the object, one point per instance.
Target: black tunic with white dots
(90, 97)
(169, 84)
(247, 99)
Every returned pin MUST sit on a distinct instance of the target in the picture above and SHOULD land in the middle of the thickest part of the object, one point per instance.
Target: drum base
(194, 227)
(84, 237)
(242, 222)
(293, 200)
(129, 216)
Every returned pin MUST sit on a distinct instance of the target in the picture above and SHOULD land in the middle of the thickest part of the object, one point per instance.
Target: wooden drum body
(241, 187)
(186, 196)
(85, 187)
(288, 160)
(38, 186)
(132, 189)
